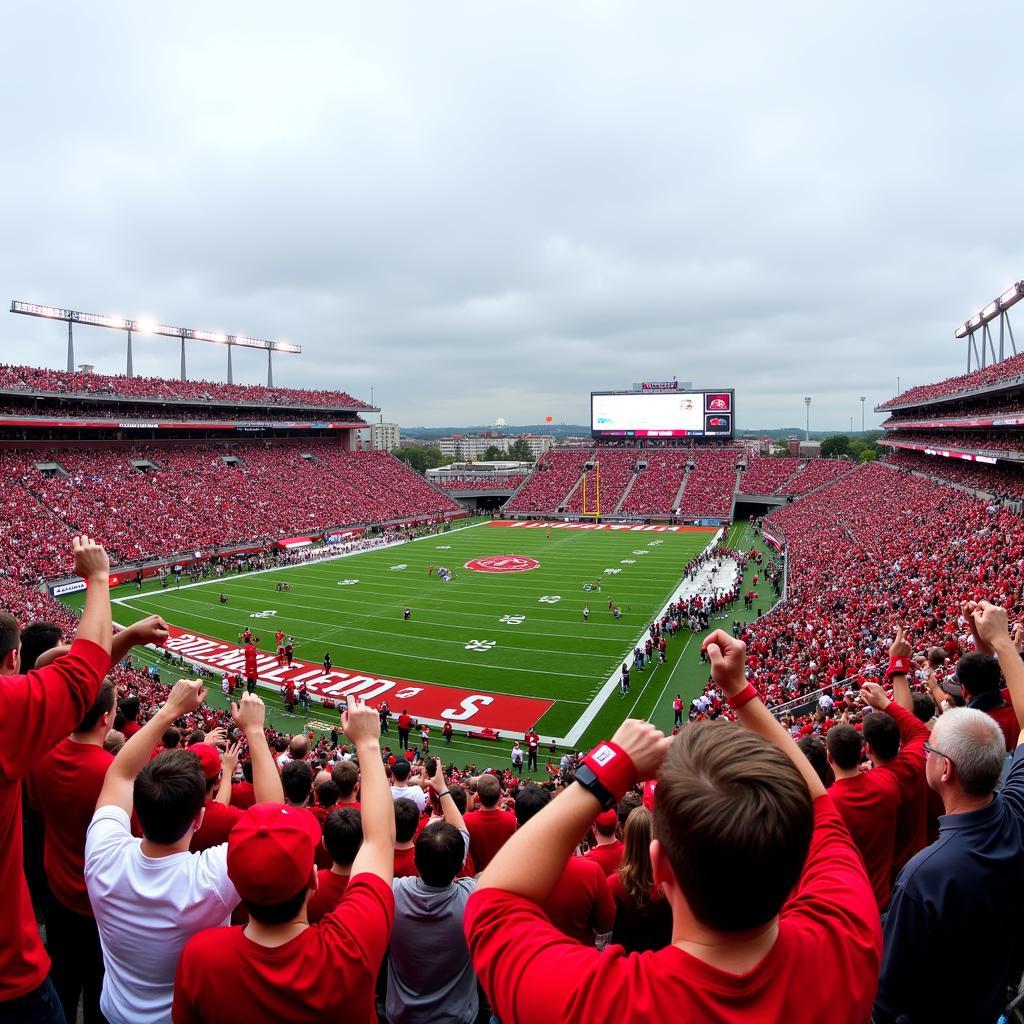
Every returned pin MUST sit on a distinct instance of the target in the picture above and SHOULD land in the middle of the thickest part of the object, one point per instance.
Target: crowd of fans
(815, 473)
(710, 483)
(981, 407)
(60, 382)
(553, 477)
(970, 440)
(767, 475)
(202, 868)
(189, 497)
(67, 409)
(1008, 370)
(655, 489)
(616, 470)
(1005, 481)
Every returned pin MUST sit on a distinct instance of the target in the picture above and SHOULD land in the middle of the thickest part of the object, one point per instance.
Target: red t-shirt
(404, 722)
(37, 711)
(129, 729)
(327, 972)
(405, 863)
(609, 856)
(907, 768)
(868, 805)
(532, 972)
(489, 831)
(581, 903)
(250, 662)
(330, 887)
(243, 796)
(65, 786)
(218, 821)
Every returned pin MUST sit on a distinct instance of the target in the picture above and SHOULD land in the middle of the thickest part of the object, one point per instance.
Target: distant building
(381, 437)
(810, 450)
(473, 446)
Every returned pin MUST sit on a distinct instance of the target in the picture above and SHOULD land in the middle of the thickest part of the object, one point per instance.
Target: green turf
(553, 653)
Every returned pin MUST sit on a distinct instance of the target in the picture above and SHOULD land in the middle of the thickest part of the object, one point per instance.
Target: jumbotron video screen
(662, 414)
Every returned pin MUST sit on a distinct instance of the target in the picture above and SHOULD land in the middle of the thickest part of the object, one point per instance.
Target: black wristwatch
(588, 780)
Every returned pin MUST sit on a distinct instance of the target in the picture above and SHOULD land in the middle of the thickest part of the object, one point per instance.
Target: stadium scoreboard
(663, 413)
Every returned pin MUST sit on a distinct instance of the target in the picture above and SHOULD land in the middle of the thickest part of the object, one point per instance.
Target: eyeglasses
(938, 753)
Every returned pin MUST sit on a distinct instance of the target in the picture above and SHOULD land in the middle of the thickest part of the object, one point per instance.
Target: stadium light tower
(807, 432)
(996, 309)
(862, 399)
(147, 325)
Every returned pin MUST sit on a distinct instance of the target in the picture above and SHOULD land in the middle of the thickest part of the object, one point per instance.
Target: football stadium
(341, 680)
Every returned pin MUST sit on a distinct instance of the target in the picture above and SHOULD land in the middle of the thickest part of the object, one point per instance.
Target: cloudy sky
(485, 210)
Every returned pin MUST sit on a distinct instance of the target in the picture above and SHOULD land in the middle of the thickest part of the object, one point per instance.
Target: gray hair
(975, 744)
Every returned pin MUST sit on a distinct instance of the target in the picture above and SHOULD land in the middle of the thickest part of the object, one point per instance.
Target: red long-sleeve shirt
(37, 710)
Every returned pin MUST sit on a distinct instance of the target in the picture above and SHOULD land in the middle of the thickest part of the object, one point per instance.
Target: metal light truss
(151, 327)
(996, 309)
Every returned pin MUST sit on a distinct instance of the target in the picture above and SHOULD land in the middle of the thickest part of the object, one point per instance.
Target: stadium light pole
(807, 431)
(150, 326)
(862, 399)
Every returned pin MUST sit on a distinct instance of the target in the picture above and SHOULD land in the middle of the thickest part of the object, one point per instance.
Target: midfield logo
(503, 563)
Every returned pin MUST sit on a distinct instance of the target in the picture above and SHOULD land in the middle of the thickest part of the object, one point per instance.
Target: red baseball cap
(209, 759)
(272, 851)
(606, 819)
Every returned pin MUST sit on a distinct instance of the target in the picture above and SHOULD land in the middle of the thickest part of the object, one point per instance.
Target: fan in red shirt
(609, 849)
(219, 816)
(407, 822)
(342, 837)
(251, 669)
(37, 711)
(760, 872)
(580, 905)
(277, 967)
(489, 827)
(243, 796)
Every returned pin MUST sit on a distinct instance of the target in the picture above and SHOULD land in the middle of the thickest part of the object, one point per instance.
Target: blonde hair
(635, 872)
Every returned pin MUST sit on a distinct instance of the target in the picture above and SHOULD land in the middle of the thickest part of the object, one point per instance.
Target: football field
(503, 644)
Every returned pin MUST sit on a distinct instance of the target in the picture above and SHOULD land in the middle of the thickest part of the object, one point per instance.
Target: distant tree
(520, 451)
(420, 457)
(493, 454)
(868, 455)
(835, 446)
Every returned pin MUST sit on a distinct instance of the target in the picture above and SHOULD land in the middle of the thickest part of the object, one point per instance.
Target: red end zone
(431, 702)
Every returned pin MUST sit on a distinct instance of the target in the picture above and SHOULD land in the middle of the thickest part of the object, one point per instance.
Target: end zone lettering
(503, 563)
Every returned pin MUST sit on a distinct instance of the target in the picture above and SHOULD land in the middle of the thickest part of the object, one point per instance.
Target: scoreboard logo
(503, 563)
(720, 402)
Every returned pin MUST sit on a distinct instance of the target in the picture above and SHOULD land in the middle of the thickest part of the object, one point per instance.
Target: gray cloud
(483, 211)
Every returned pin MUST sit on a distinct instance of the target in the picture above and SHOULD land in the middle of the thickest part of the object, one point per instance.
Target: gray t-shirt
(430, 976)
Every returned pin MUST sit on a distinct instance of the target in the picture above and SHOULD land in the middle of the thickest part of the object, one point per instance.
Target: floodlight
(146, 325)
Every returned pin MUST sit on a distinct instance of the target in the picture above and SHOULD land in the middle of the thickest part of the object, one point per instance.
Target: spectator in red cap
(609, 849)
(277, 967)
(219, 816)
(759, 870)
(37, 711)
(150, 895)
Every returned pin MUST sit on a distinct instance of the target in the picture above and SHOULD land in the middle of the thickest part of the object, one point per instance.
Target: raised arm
(452, 815)
(728, 664)
(228, 764)
(249, 715)
(92, 564)
(119, 784)
(376, 856)
(150, 630)
(990, 624)
(899, 671)
(532, 861)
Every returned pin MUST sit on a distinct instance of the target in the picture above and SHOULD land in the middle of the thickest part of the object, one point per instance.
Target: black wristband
(589, 781)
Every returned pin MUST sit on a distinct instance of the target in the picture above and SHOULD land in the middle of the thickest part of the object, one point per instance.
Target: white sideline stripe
(299, 565)
(583, 722)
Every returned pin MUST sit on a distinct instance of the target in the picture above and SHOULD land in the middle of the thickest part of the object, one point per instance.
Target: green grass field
(488, 633)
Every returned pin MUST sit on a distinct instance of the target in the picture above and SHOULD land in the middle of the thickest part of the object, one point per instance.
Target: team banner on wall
(434, 703)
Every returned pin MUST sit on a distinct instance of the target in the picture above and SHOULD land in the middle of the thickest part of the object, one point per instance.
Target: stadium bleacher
(767, 475)
(549, 484)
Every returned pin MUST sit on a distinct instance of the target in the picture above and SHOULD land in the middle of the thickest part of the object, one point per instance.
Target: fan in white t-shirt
(151, 895)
